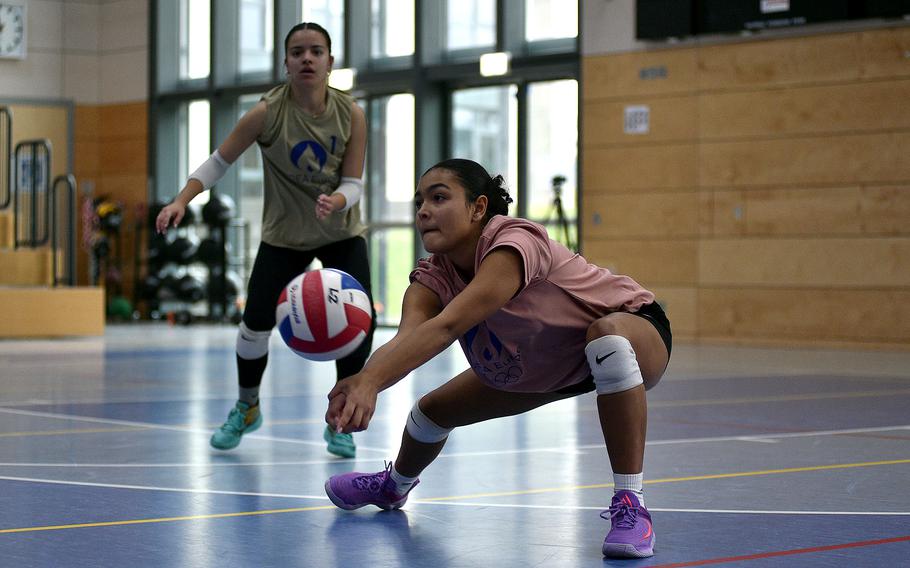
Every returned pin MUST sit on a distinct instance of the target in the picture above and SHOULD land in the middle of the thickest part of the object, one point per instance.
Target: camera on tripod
(562, 223)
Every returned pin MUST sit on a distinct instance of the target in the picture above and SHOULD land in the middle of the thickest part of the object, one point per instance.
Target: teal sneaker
(243, 419)
(342, 445)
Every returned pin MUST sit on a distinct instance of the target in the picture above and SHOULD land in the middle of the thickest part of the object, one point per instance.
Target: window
(471, 23)
(484, 129)
(195, 25)
(194, 141)
(550, 19)
(249, 180)
(392, 28)
(552, 157)
(330, 15)
(256, 36)
(421, 107)
(390, 201)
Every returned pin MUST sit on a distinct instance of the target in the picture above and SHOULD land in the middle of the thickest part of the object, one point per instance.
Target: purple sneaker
(355, 490)
(631, 534)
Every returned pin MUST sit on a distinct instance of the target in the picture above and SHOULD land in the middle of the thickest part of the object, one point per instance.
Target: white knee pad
(252, 344)
(613, 364)
(423, 429)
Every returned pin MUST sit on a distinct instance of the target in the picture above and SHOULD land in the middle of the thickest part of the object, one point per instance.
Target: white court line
(561, 450)
(186, 429)
(447, 503)
(658, 509)
(166, 489)
(175, 465)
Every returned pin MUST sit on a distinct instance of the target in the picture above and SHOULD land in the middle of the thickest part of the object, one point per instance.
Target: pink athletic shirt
(536, 342)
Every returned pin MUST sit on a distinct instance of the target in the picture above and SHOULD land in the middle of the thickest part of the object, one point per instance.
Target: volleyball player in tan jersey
(313, 143)
(537, 323)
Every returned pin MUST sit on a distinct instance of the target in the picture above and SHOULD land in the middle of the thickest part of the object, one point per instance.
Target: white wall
(86, 51)
(608, 26)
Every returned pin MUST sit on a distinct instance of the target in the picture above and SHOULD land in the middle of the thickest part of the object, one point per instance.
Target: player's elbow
(447, 328)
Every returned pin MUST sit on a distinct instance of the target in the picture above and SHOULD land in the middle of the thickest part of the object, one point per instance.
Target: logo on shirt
(490, 358)
(311, 154)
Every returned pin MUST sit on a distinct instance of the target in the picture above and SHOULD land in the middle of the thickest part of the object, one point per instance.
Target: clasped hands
(352, 403)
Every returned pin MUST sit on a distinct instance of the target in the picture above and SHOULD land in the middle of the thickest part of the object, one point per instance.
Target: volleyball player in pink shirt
(537, 323)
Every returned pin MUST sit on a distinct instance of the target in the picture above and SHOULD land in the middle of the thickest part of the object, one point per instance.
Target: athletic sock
(249, 395)
(402, 484)
(630, 482)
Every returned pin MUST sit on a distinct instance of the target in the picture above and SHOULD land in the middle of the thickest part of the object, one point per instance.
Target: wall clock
(12, 29)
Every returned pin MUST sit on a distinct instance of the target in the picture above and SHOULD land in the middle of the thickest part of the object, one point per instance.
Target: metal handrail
(6, 156)
(31, 177)
(69, 277)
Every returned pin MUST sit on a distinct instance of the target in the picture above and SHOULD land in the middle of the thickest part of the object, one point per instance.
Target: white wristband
(211, 170)
(352, 189)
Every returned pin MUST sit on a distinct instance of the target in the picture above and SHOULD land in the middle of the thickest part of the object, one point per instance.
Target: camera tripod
(556, 210)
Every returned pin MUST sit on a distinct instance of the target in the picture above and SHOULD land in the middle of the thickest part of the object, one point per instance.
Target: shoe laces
(621, 515)
(234, 422)
(374, 482)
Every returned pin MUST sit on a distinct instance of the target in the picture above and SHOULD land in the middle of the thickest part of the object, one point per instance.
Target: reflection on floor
(756, 457)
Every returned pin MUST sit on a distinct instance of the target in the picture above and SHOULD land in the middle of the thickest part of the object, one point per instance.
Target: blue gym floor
(756, 457)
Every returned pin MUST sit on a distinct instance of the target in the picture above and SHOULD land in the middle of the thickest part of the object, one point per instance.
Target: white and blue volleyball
(323, 314)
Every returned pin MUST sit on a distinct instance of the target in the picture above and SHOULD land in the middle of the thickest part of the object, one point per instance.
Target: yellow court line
(166, 519)
(472, 496)
(72, 431)
(673, 480)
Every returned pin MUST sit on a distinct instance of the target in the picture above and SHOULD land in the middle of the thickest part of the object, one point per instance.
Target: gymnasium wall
(768, 203)
(90, 56)
(111, 148)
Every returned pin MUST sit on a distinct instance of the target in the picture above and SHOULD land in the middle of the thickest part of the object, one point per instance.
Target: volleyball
(323, 314)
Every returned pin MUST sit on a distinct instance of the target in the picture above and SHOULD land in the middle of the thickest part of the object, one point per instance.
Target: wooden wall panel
(36, 122)
(886, 209)
(799, 263)
(123, 121)
(650, 262)
(884, 53)
(124, 157)
(648, 73)
(642, 215)
(86, 123)
(649, 167)
(862, 158)
(770, 200)
(35, 312)
(86, 159)
(680, 304)
(779, 62)
(852, 107)
(112, 158)
(804, 316)
(671, 119)
(25, 267)
(812, 212)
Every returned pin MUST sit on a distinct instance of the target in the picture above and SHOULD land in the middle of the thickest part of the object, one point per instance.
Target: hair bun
(500, 189)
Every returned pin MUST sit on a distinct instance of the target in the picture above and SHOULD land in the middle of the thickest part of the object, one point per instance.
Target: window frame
(431, 74)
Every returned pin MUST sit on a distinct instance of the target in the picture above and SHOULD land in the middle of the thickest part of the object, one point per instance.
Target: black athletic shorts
(654, 314)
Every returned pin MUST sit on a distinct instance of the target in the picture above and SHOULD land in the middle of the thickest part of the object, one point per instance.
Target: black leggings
(276, 266)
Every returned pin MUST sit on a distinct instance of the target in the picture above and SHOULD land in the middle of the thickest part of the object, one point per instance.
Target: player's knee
(608, 325)
(424, 430)
(613, 363)
(252, 344)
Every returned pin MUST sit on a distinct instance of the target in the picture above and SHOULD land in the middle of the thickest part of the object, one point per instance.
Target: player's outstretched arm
(245, 132)
(498, 279)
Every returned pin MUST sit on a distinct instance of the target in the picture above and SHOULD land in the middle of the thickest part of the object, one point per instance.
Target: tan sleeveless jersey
(301, 157)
